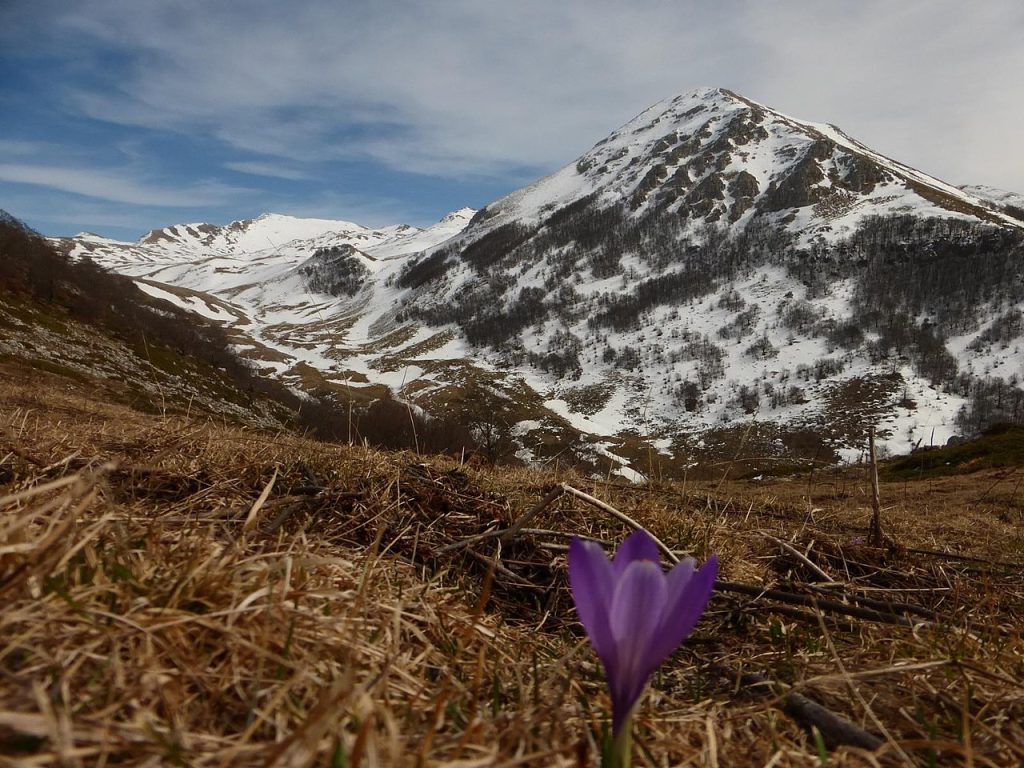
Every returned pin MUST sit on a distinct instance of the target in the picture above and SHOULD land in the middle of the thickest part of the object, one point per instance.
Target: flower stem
(622, 747)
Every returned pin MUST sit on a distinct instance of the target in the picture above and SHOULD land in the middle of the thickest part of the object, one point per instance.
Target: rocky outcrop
(743, 188)
(798, 188)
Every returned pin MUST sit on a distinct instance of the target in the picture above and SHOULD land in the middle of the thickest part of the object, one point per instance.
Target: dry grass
(191, 593)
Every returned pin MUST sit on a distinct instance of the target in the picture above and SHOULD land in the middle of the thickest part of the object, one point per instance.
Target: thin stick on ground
(799, 556)
(831, 606)
(521, 522)
(857, 694)
(673, 558)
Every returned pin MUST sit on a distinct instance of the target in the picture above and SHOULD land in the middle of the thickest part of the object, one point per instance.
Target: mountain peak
(705, 93)
(461, 215)
(712, 156)
(688, 271)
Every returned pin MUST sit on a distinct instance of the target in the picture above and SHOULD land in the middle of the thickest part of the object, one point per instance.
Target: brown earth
(185, 591)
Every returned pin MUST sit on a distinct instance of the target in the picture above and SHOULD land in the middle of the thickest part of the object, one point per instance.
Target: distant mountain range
(712, 273)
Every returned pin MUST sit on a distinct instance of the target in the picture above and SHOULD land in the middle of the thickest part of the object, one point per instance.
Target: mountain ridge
(666, 153)
(690, 272)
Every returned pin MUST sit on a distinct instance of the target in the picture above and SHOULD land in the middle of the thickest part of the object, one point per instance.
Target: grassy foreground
(181, 592)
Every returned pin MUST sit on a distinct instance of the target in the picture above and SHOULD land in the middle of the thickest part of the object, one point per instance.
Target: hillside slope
(711, 265)
(178, 590)
(145, 346)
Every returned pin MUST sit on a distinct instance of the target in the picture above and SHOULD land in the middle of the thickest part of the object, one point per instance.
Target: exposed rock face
(714, 157)
(743, 189)
(859, 174)
(799, 188)
(709, 260)
(203, 233)
(702, 199)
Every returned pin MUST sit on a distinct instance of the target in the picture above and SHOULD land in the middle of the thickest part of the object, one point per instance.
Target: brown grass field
(177, 591)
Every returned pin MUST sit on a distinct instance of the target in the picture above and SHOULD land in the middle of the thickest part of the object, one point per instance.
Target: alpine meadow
(704, 448)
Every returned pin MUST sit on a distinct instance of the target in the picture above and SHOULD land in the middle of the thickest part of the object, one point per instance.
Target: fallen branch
(495, 562)
(966, 558)
(21, 453)
(794, 613)
(886, 606)
(807, 601)
(282, 517)
(809, 715)
(455, 546)
(517, 526)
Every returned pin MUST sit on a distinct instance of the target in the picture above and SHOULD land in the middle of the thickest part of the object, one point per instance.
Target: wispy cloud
(21, 149)
(108, 185)
(349, 98)
(456, 88)
(461, 87)
(255, 168)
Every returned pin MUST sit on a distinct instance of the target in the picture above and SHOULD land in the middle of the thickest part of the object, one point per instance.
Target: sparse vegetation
(998, 446)
(188, 592)
(48, 291)
(336, 270)
(589, 399)
(911, 289)
(991, 401)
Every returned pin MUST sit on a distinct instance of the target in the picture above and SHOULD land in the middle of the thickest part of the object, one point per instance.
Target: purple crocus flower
(635, 614)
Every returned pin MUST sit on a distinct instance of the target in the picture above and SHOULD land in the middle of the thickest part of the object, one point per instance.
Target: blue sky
(125, 115)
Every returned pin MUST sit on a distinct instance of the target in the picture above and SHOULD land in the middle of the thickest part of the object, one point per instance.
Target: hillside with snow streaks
(714, 156)
(711, 265)
(257, 276)
(1010, 203)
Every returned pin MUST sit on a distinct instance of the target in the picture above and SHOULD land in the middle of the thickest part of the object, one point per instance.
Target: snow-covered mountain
(710, 265)
(265, 234)
(1011, 203)
(290, 288)
(712, 156)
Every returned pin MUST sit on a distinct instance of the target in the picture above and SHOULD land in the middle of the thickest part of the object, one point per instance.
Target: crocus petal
(688, 595)
(636, 612)
(593, 585)
(637, 546)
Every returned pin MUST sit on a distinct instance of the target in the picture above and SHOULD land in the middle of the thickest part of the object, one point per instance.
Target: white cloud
(255, 168)
(113, 186)
(462, 87)
(452, 88)
(929, 82)
(21, 149)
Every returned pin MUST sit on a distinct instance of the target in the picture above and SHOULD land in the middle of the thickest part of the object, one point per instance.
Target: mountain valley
(298, 491)
(712, 278)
